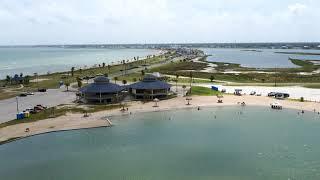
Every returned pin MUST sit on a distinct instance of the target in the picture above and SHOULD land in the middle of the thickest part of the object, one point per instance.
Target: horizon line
(192, 43)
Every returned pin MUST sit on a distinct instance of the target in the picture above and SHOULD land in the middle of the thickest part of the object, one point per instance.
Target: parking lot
(50, 98)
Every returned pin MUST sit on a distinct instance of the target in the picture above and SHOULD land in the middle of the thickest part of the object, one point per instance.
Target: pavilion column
(100, 97)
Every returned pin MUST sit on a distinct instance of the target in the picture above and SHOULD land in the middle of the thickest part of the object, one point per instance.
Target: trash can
(26, 114)
(20, 116)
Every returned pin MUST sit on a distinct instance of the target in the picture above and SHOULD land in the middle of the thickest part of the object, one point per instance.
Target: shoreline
(98, 120)
(64, 68)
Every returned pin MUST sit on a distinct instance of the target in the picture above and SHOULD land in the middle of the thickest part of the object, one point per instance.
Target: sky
(32, 22)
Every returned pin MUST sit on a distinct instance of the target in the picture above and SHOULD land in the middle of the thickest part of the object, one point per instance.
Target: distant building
(150, 88)
(101, 91)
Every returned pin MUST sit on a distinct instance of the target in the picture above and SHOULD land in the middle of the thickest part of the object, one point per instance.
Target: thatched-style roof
(150, 82)
(101, 85)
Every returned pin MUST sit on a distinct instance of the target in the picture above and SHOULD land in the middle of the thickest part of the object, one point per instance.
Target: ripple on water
(260, 144)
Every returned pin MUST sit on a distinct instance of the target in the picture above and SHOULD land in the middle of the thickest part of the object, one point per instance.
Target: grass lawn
(179, 66)
(133, 77)
(307, 66)
(281, 77)
(7, 95)
(203, 91)
(312, 85)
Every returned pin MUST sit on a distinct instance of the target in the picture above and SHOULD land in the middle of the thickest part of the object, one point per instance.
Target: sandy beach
(77, 121)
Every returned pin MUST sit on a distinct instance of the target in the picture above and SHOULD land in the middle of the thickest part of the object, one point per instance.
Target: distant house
(101, 91)
(150, 88)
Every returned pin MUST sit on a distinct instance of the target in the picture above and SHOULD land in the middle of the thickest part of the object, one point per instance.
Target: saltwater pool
(229, 143)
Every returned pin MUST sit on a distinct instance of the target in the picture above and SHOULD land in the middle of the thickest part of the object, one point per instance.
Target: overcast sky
(158, 21)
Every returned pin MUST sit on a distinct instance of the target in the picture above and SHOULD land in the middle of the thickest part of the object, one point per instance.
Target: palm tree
(211, 78)
(177, 77)
(191, 78)
(103, 64)
(184, 89)
(27, 79)
(124, 66)
(8, 79)
(115, 80)
(79, 82)
(124, 82)
(72, 71)
(36, 75)
(67, 84)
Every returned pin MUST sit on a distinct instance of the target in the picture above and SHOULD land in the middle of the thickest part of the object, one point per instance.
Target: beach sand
(77, 121)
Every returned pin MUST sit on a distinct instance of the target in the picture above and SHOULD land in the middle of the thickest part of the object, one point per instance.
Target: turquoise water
(184, 144)
(29, 60)
(265, 59)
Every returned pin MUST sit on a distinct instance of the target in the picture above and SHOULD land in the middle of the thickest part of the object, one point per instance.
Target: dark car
(23, 94)
(42, 90)
(272, 94)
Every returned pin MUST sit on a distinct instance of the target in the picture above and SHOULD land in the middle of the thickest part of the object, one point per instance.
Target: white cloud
(297, 8)
(156, 21)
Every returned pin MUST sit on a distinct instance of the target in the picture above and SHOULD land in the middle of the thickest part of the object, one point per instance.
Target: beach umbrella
(156, 100)
(219, 98)
(123, 104)
(188, 99)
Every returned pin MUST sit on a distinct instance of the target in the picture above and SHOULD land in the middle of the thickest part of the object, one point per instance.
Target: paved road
(53, 97)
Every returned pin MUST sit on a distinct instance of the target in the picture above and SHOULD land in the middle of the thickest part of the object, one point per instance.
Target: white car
(29, 93)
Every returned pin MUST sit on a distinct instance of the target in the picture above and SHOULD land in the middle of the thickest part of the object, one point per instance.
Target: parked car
(281, 95)
(253, 93)
(42, 90)
(31, 111)
(29, 93)
(272, 94)
(23, 94)
(40, 107)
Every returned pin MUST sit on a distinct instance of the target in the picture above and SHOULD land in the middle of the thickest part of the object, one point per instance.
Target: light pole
(17, 100)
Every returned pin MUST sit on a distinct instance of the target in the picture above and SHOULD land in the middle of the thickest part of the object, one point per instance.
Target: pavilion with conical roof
(101, 91)
(150, 88)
